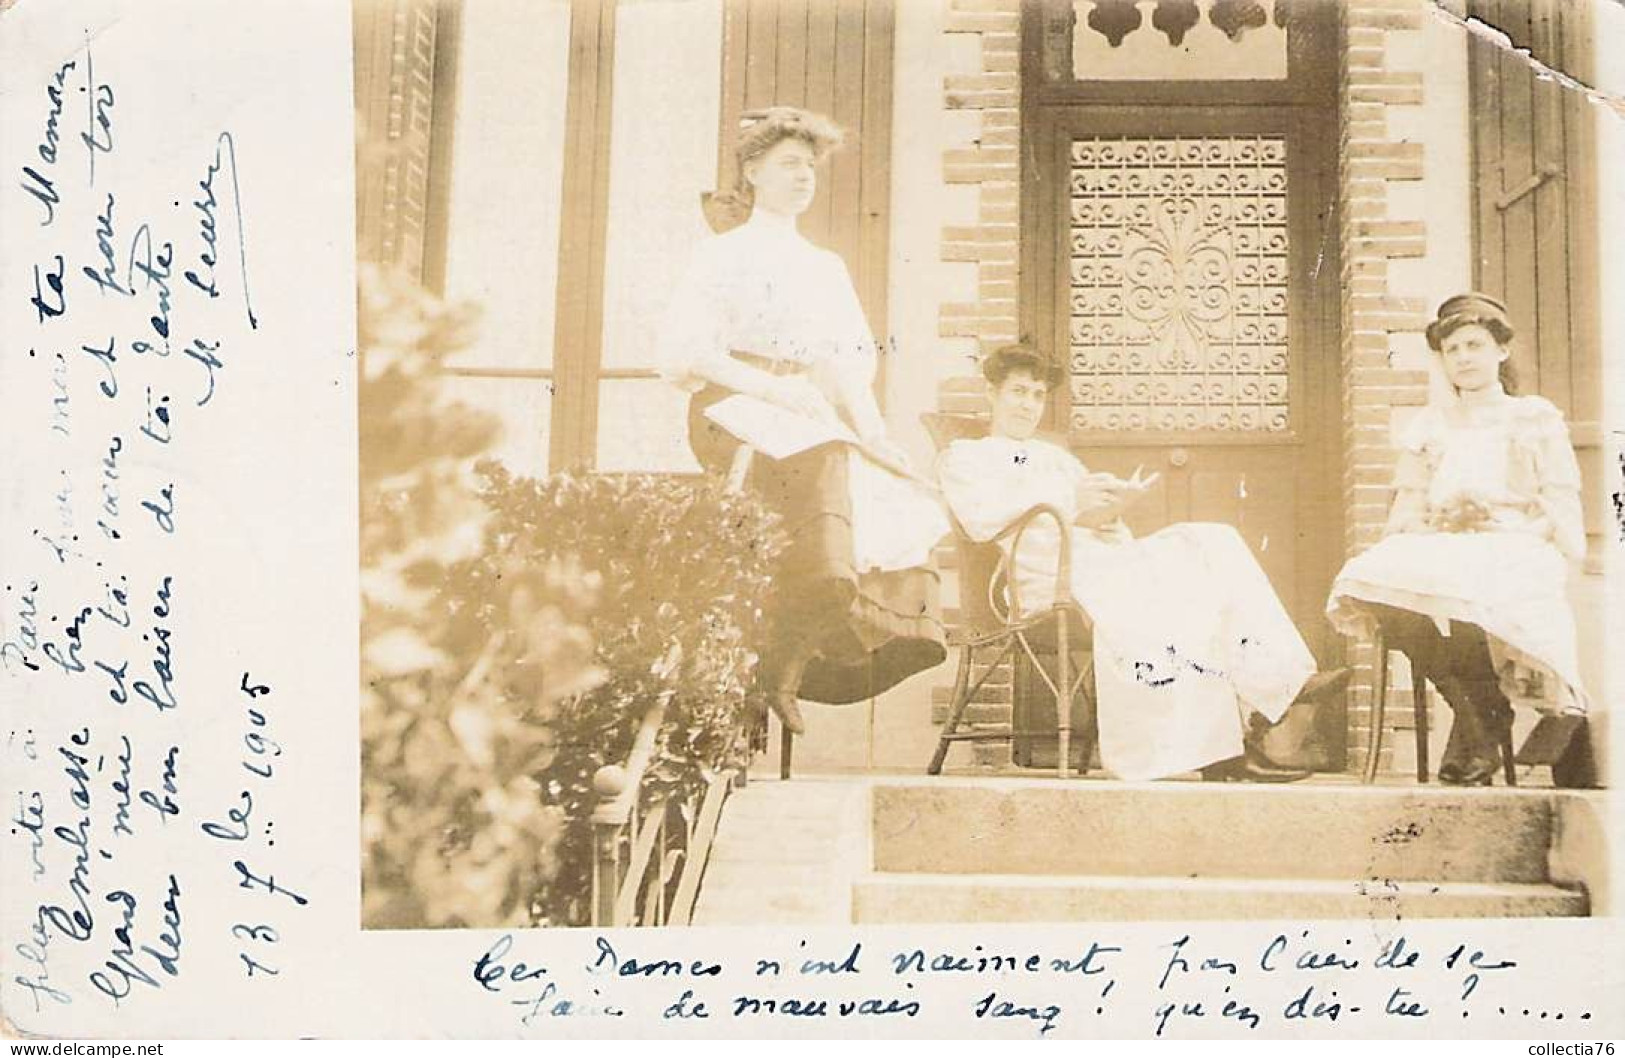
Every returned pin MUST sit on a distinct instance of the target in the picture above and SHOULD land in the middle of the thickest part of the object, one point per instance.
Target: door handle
(1532, 184)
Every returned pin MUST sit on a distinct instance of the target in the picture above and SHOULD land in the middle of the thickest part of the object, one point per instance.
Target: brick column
(990, 162)
(1372, 313)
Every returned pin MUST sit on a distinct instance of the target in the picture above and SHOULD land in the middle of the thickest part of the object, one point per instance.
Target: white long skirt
(1189, 637)
(1509, 584)
(896, 524)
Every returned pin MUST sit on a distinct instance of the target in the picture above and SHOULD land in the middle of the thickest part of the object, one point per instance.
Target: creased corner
(1486, 32)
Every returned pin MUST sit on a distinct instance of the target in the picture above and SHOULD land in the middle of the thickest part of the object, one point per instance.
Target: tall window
(570, 201)
(545, 159)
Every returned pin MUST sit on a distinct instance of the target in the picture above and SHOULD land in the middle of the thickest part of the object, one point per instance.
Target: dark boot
(780, 679)
(1494, 729)
(1254, 765)
(1469, 757)
(1251, 766)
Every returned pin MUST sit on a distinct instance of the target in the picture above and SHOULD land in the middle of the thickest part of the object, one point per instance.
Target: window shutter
(395, 56)
(1535, 214)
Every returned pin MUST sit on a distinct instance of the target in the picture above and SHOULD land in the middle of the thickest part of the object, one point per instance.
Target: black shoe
(1456, 754)
(1252, 766)
(1253, 749)
(1478, 771)
(789, 711)
(1472, 752)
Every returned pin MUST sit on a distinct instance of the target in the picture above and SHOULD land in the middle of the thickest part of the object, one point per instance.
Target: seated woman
(1188, 634)
(1469, 581)
(764, 313)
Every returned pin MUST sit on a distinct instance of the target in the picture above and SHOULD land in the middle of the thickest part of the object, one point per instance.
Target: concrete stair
(905, 849)
(1036, 851)
(1024, 898)
(1211, 830)
(787, 853)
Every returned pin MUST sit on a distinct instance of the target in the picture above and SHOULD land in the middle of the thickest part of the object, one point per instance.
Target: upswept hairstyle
(1008, 359)
(759, 132)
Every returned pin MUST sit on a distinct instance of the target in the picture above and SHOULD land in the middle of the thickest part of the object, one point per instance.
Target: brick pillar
(1372, 313)
(990, 163)
(992, 243)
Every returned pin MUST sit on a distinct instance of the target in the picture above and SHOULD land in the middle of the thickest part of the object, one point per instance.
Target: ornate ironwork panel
(1165, 40)
(1178, 284)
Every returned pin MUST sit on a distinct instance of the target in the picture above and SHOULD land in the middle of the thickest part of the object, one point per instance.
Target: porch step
(1338, 833)
(786, 853)
(906, 898)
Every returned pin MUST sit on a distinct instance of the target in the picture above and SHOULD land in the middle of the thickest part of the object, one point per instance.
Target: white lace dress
(1508, 577)
(1189, 635)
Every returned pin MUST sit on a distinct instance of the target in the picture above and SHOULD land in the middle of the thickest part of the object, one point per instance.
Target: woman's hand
(796, 393)
(1102, 498)
(1464, 512)
(888, 450)
(1097, 491)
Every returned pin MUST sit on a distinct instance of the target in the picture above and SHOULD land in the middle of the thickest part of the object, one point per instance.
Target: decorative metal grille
(1165, 40)
(1178, 284)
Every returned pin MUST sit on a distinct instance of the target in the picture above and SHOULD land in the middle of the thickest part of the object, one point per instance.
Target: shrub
(459, 686)
(515, 631)
(683, 569)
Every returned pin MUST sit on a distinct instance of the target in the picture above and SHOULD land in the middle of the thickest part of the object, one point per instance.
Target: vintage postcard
(827, 518)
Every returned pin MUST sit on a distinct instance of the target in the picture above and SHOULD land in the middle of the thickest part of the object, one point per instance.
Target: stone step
(786, 853)
(1340, 832)
(913, 898)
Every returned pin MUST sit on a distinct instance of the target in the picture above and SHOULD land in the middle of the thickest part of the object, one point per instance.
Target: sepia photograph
(545, 520)
(875, 462)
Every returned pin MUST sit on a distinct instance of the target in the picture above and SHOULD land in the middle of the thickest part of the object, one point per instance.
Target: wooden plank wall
(833, 57)
(1534, 175)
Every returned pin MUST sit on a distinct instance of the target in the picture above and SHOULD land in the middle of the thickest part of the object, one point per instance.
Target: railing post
(609, 782)
(606, 875)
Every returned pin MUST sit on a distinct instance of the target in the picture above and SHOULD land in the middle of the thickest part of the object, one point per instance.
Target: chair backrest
(979, 562)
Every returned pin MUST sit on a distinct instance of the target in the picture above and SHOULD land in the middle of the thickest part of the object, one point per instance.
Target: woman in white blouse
(763, 312)
(1470, 581)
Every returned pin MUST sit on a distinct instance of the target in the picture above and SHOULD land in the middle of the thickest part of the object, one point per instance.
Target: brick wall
(1371, 160)
(989, 163)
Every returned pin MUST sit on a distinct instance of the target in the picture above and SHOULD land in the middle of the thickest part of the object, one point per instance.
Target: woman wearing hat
(764, 313)
(1470, 579)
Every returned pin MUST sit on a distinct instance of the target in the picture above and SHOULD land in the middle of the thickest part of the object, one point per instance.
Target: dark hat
(1472, 307)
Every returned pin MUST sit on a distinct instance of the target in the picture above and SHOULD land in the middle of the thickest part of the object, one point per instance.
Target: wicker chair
(1051, 645)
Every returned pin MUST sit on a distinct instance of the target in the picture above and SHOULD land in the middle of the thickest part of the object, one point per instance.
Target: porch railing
(647, 871)
(648, 860)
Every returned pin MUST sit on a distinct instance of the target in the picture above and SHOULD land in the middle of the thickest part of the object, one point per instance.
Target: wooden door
(1534, 221)
(1183, 276)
